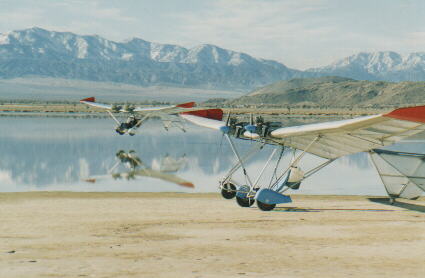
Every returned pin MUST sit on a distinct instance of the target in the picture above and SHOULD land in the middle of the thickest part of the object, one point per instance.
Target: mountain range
(386, 66)
(38, 52)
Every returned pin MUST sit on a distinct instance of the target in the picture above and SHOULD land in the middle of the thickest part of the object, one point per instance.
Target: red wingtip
(90, 180)
(89, 99)
(215, 114)
(186, 105)
(187, 184)
(413, 114)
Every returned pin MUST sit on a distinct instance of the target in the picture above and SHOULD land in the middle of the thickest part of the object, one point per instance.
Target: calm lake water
(54, 153)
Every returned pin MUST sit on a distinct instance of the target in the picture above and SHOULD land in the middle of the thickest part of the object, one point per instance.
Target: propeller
(129, 108)
(116, 108)
(129, 157)
(251, 127)
(121, 155)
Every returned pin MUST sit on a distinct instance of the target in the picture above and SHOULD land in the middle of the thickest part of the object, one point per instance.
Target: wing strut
(232, 145)
(264, 167)
(113, 117)
(295, 162)
(256, 148)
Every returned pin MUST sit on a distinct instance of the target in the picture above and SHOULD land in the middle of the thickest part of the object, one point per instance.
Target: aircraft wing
(337, 138)
(171, 109)
(211, 118)
(163, 176)
(145, 173)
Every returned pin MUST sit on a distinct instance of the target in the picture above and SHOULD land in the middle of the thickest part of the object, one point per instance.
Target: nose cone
(250, 128)
(225, 129)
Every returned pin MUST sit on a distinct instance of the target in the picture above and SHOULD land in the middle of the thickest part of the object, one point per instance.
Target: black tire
(245, 202)
(228, 191)
(264, 206)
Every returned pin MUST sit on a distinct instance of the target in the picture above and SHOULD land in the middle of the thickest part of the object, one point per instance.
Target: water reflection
(133, 167)
(59, 153)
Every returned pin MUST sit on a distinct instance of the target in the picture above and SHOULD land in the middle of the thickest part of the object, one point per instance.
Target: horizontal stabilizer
(403, 174)
(271, 197)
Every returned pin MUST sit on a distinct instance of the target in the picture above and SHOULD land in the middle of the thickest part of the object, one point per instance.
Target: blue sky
(299, 33)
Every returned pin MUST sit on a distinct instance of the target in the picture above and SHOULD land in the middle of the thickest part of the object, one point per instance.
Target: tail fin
(186, 105)
(89, 99)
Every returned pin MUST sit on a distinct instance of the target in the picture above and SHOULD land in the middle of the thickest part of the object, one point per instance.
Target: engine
(128, 125)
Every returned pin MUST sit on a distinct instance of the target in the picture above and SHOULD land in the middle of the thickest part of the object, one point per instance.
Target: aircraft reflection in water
(32, 162)
(134, 167)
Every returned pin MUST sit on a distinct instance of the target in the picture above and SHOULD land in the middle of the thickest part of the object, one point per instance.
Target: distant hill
(336, 92)
(70, 90)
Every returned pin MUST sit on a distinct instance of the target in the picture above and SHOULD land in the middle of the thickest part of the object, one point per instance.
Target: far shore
(78, 109)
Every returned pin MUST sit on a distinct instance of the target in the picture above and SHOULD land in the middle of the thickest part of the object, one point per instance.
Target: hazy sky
(299, 33)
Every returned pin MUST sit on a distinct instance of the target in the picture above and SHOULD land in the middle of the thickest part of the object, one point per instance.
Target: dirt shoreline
(72, 234)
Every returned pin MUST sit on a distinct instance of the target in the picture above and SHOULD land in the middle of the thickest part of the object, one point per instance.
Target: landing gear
(245, 202)
(228, 191)
(119, 131)
(265, 207)
(392, 201)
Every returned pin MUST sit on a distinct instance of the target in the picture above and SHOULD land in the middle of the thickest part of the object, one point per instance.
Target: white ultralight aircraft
(136, 116)
(403, 174)
(329, 140)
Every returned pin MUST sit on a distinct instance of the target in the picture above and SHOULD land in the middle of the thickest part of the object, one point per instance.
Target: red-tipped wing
(171, 109)
(339, 138)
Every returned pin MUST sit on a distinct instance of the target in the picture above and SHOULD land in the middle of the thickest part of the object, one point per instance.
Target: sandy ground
(201, 235)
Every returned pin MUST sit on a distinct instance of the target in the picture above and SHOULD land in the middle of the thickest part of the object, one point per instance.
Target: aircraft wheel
(264, 206)
(245, 202)
(228, 191)
(392, 201)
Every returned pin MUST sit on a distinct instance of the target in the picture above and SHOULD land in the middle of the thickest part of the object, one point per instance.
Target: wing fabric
(172, 109)
(403, 174)
(345, 137)
(211, 118)
(92, 102)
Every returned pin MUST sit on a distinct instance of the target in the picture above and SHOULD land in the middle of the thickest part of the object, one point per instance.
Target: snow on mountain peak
(4, 39)
(66, 44)
(380, 65)
(82, 46)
